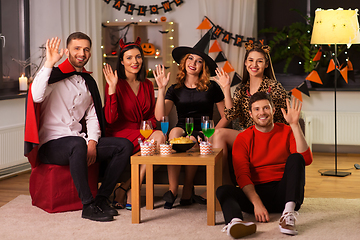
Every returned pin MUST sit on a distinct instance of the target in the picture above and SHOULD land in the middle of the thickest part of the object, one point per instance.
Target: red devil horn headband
(123, 45)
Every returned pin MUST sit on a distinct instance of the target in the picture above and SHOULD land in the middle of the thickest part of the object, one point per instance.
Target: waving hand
(161, 78)
(53, 55)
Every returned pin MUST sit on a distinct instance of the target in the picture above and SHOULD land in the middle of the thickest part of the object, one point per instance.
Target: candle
(23, 83)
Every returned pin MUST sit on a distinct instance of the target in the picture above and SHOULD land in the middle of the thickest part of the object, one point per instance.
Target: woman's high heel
(169, 199)
(115, 203)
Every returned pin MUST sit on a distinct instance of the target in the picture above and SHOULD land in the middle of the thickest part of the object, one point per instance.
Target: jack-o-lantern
(163, 19)
(148, 48)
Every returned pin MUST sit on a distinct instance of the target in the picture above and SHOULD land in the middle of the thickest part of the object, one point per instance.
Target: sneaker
(94, 213)
(104, 204)
(287, 223)
(238, 228)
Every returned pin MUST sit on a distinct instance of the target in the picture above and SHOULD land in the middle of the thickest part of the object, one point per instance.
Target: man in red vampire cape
(65, 124)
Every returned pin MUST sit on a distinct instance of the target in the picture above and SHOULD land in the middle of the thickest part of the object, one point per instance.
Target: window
(14, 44)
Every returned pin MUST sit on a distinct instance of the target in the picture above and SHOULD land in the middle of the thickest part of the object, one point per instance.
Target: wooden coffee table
(213, 163)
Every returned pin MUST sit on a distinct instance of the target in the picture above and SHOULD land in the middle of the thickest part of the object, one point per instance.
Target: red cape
(32, 114)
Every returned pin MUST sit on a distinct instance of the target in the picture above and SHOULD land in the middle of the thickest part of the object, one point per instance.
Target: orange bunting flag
(228, 68)
(206, 24)
(296, 93)
(350, 66)
(331, 66)
(317, 56)
(344, 73)
(215, 47)
(314, 77)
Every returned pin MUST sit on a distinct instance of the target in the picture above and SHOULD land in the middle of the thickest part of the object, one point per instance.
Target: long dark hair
(141, 75)
(268, 72)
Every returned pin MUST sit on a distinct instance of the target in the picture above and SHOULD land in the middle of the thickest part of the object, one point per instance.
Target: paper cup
(146, 150)
(206, 149)
(165, 149)
(154, 147)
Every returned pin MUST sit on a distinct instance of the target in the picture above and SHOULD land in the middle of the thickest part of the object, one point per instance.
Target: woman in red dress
(129, 99)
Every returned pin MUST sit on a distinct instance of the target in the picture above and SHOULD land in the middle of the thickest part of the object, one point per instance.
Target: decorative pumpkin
(163, 19)
(148, 48)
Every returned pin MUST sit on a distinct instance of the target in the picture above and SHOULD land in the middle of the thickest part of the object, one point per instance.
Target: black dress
(190, 102)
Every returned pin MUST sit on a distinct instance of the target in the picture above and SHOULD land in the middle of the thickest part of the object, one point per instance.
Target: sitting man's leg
(72, 151)
(231, 198)
(291, 187)
(117, 152)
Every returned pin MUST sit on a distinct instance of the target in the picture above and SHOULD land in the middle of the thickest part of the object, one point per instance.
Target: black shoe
(198, 199)
(186, 202)
(93, 212)
(104, 204)
(169, 199)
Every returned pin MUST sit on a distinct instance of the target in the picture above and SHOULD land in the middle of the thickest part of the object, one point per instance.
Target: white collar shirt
(63, 105)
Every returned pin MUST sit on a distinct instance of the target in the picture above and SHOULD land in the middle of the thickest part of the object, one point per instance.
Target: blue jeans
(72, 151)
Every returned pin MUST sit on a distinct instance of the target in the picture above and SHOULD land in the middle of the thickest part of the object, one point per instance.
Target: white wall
(347, 101)
(12, 112)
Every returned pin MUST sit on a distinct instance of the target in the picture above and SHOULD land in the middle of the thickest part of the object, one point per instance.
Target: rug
(319, 218)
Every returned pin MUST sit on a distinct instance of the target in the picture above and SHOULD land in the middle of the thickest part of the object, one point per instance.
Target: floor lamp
(335, 27)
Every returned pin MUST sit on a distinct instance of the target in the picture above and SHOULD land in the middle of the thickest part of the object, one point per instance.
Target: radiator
(321, 128)
(12, 158)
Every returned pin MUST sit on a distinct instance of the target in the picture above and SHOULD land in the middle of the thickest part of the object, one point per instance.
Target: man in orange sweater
(269, 162)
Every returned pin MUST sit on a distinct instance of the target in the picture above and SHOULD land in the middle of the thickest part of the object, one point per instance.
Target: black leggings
(274, 195)
(72, 151)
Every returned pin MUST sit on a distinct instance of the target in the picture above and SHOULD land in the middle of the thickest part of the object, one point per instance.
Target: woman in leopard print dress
(258, 76)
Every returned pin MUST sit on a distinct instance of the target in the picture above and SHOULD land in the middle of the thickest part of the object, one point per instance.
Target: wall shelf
(163, 35)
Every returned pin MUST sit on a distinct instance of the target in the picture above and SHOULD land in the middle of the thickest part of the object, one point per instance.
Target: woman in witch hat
(258, 76)
(194, 95)
(129, 99)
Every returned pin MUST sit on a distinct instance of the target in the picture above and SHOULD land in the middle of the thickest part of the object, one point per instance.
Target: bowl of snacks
(181, 144)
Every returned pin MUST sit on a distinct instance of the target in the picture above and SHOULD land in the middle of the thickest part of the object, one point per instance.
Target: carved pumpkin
(148, 48)
(163, 19)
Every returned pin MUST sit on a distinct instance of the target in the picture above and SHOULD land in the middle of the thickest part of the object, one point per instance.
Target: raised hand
(53, 55)
(292, 115)
(161, 78)
(111, 78)
(222, 78)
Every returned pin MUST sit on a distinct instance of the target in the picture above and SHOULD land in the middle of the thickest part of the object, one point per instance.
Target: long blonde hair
(204, 76)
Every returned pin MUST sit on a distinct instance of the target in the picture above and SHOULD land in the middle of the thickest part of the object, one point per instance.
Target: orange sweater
(260, 157)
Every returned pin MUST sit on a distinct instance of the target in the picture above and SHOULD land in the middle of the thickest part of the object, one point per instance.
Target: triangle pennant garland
(331, 66)
(206, 24)
(228, 68)
(215, 47)
(296, 93)
(314, 77)
(317, 56)
(220, 57)
(236, 79)
(344, 73)
(303, 88)
(350, 66)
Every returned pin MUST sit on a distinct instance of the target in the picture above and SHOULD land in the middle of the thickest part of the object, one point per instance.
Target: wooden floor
(317, 186)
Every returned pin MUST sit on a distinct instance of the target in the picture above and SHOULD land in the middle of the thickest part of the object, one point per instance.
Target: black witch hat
(199, 49)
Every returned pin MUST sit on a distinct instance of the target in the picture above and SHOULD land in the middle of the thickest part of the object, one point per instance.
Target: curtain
(85, 16)
(54, 18)
(237, 17)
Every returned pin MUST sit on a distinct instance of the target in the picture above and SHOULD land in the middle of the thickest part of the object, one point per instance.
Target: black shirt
(190, 102)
